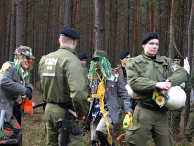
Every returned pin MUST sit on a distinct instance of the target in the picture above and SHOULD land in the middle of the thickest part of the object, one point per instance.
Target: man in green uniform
(176, 114)
(147, 74)
(64, 87)
(190, 125)
(124, 57)
(83, 59)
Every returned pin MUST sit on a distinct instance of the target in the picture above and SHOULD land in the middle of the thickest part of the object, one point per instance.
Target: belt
(65, 106)
(151, 108)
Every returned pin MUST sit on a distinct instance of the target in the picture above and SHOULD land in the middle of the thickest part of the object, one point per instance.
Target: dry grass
(33, 127)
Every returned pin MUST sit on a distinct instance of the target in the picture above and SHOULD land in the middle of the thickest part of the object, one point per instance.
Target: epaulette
(4, 67)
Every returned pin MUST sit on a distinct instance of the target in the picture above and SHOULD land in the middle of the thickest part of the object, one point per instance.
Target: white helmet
(130, 91)
(177, 98)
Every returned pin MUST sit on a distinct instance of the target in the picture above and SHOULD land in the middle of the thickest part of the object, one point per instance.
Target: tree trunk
(114, 31)
(68, 13)
(74, 11)
(79, 25)
(26, 22)
(190, 28)
(172, 23)
(20, 23)
(13, 31)
(151, 17)
(99, 25)
(47, 26)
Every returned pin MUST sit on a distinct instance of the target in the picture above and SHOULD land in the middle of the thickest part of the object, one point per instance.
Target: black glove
(29, 93)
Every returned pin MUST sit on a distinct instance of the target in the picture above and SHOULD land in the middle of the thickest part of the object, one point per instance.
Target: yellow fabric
(155, 93)
(100, 94)
(5, 66)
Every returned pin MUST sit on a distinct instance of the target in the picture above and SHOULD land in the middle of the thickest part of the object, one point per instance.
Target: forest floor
(33, 128)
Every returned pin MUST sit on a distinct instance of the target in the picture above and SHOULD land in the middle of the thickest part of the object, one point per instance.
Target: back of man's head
(68, 35)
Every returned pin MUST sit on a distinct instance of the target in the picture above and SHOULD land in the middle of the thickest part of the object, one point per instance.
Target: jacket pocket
(135, 115)
(2, 98)
(131, 134)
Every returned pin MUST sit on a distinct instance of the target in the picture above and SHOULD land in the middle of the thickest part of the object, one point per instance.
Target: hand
(76, 117)
(29, 93)
(130, 114)
(163, 85)
(164, 92)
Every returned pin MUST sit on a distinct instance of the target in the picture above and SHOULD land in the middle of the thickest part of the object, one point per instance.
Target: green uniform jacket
(188, 84)
(63, 80)
(143, 73)
(86, 71)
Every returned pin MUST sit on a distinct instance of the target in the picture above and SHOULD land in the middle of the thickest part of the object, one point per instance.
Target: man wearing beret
(83, 59)
(176, 114)
(64, 90)
(177, 59)
(105, 109)
(124, 57)
(147, 74)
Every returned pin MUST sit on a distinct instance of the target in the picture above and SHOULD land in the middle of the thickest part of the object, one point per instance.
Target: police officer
(83, 59)
(64, 87)
(176, 114)
(146, 74)
(15, 83)
(124, 57)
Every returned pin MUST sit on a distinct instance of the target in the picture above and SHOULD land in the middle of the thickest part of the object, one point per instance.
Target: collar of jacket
(158, 58)
(119, 65)
(69, 49)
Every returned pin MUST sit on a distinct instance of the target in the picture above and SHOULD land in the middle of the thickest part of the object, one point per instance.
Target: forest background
(110, 25)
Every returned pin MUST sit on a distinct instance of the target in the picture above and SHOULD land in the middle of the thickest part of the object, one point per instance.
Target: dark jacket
(11, 86)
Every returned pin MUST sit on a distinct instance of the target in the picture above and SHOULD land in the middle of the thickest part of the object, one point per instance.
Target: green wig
(105, 68)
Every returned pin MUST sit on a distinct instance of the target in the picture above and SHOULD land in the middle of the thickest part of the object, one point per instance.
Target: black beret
(177, 56)
(70, 32)
(82, 56)
(124, 54)
(148, 36)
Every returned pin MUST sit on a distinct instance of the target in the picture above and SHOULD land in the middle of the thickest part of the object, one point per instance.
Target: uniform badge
(174, 67)
(5, 66)
(142, 63)
(159, 99)
(49, 67)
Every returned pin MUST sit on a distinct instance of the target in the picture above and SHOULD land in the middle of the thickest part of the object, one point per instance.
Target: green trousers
(176, 118)
(146, 121)
(52, 114)
(190, 125)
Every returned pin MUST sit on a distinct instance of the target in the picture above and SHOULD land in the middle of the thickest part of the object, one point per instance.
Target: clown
(15, 86)
(105, 109)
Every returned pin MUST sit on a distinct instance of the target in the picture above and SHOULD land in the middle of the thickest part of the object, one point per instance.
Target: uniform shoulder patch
(4, 67)
(174, 67)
